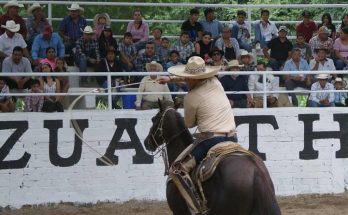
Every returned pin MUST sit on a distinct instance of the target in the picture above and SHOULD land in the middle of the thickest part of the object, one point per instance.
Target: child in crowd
(174, 57)
(128, 52)
(149, 84)
(61, 66)
(34, 103)
(164, 50)
(306, 51)
(6, 103)
(340, 97)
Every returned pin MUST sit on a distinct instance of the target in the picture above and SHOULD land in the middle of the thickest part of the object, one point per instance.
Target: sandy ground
(299, 205)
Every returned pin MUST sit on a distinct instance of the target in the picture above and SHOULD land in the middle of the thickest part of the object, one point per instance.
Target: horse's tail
(265, 202)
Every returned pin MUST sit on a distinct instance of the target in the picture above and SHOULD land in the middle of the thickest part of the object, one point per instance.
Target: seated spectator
(236, 83)
(139, 29)
(321, 62)
(280, 49)
(51, 57)
(341, 50)
(211, 24)
(344, 24)
(157, 38)
(50, 84)
(11, 39)
(148, 56)
(17, 63)
(184, 46)
(11, 10)
(106, 40)
(34, 103)
(164, 49)
(326, 21)
(203, 46)
(87, 50)
(216, 58)
(6, 103)
(264, 30)
(173, 59)
(35, 22)
(100, 20)
(60, 66)
(322, 99)
(255, 83)
(192, 26)
(322, 40)
(307, 27)
(340, 97)
(247, 60)
(296, 63)
(46, 40)
(306, 51)
(70, 28)
(149, 84)
(228, 44)
(128, 52)
(241, 31)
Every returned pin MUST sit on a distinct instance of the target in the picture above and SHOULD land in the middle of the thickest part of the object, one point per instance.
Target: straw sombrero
(158, 66)
(34, 7)
(194, 69)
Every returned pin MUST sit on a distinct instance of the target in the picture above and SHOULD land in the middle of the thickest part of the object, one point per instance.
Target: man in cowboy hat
(36, 21)
(207, 107)
(322, 40)
(340, 97)
(322, 99)
(247, 61)
(11, 9)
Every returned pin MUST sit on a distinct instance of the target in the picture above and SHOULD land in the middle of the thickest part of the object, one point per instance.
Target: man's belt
(224, 134)
(207, 135)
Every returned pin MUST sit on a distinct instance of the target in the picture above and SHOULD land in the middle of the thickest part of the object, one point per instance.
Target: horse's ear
(160, 105)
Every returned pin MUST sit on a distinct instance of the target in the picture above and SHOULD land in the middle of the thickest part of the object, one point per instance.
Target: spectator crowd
(31, 44)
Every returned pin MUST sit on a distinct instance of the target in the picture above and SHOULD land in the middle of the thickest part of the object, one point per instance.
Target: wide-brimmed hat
(88, 30)
(245, 53)
(158, 66)
(324, 30)
(13, 3)
(194, 69)
(233, 63)
(11, 26)
(323, 76)
(340, 80)
(214, 50)
(34, 7)
(283, 28)
(75, 6)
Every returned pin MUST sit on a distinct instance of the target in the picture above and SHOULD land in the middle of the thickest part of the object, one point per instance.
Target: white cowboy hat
(12, 3)
(233, 63)
(33, 7)
(245, 53)
(159, 67)
(194, 69)
(11, 26)
(340, 80)
(323, 76)
(75, 6)
(88, 30)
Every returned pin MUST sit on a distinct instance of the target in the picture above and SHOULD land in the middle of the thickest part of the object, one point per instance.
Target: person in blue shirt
(211, 24)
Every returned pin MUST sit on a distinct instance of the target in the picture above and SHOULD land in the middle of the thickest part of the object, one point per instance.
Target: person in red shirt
(307, 27)
(11, 8)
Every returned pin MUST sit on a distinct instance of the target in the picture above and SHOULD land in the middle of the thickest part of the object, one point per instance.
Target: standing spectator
(340, 97)
(264, 30)
(34, 103)
(322, 40)
(184, 46)
(149, 84)
(307, 27)
(321, 62)
(36, 22)
(306, 51)
(341, 50)
(71, 27)
(241, 30)
(344, 24)
(17, 63)
(87, 50)
(128, 52)
(255, 83)
(45, 40)
(100, 20)
(217, 58)
(12, 13)
(211, 24)
(326, 20)
(322, 99)
(280, 49)
(203, 46)
(192, 26)
(106, 40)
(6, 103)
(228, 44)
(139, 30)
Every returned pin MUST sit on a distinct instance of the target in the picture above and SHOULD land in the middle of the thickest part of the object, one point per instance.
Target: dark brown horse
(241, 185)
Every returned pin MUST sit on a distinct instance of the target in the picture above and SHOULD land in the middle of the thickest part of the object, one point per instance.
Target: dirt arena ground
(299, 205)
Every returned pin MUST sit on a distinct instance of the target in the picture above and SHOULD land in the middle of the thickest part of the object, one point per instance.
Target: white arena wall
(38, 163)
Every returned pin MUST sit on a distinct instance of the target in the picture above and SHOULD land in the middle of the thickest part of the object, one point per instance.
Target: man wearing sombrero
(207, 107)
(322, 99)
(11, 13)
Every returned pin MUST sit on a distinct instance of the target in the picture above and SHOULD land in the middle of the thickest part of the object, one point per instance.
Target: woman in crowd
(51, 57)
(343, 24)
(106, 40)
(326, 20)
(203, 46)
(139, 30)
(341, 50)
(228, 44)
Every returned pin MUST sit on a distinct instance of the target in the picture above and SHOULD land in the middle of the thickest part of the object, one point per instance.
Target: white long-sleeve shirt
(271, 85)
(317, 97)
